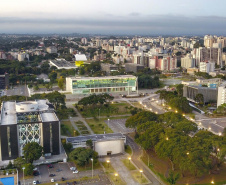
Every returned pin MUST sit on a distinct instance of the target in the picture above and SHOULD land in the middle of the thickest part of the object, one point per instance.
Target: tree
(61, 82)
(19, 162)
(28, 169)
(179, 89)
(199, 98)
(82, 156)
(32, 151)
(89, 143)
(10, 165)
(172, 179)
(68, 147)
(53, 76)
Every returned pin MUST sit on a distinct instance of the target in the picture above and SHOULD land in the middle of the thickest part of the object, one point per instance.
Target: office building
(25, 122)
(51, 49)
(206, 67)
(221, 98)
(107, 84)
(4, 81)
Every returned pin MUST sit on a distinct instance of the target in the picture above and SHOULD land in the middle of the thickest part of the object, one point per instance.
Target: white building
(22, 56)
(221, 97)
(187, 61)
(104, 144)
(206, 67)
(84, 40)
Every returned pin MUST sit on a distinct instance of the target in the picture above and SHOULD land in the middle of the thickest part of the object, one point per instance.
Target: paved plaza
(118, 125)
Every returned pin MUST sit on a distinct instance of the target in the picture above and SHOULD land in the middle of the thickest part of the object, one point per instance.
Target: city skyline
(114, 17)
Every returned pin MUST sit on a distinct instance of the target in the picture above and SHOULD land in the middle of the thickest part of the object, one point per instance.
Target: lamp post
(108, 124)
(129, 159)
(141, 171)
(99, 114)
(23, 173)
(116, 175)
(108, 162)
(92, 166)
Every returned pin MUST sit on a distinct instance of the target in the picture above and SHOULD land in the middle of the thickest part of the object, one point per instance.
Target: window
(51, 137)
(9, 143)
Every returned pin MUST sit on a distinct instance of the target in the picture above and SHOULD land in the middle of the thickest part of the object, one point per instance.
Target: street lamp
(92, 166)
(167, 138)
(108, 162)
(156, 112)
(23, 174)
(219, 133)
(176, 111)
(141, 171)
(212, 182)
(183, 114)
(187, 153)
(99, 114)
(74, 132)
(116, 175)
(150, 109)
(129, 159)
(108, 124)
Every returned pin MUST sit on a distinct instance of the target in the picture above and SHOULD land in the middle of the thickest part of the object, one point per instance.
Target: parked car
(52, 180)
(50, 165)
(34, 182)
(73, 168)
(52, 175)
(75, 171)
(35, 173)
(63, 179)
(58, 170)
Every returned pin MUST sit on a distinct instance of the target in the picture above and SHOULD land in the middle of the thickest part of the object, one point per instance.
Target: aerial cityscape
(113, 92)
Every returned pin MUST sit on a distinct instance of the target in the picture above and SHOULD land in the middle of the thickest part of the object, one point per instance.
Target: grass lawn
(139, 178)
(98, 126)
(161, 166)
(112, 109)
(138, 105)
(128, 164)
(108, 167)
(128, 149)
(116, 179)
(67, 129)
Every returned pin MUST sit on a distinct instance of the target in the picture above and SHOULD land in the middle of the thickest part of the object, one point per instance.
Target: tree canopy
(32, 151)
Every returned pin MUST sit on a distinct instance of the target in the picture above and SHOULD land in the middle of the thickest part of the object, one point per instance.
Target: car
(52, 175)
(37, 182)
(52, 180)
(35, 169)
(34, 182)
(75, 182)
(63, 179)
(36, 173)
(73, 168)
(50, 165)
(75, 171)
(58, 170)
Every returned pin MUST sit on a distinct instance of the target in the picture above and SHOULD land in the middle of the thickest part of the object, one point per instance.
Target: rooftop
(62, 64)
(96, 137)
(103, 77)
(12, 111)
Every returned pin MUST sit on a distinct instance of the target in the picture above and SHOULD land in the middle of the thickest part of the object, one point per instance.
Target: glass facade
(82, 86)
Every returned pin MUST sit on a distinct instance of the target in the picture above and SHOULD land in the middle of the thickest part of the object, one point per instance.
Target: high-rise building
(188, 61)
(51, 49)
(207, 67)
(221, 97)
(84, 40)
(25, 122)
(208, 41)
(4, 81)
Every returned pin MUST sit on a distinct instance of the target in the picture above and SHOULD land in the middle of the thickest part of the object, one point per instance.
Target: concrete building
(206, 67)
(51, 49)
(25, 122)
(208, 41)
(2, 55)
(22, 56)
(107, 84)
(188, 61)
(62, 64)
(4, 81)
(104, 144)
(221, 97)
(80, 59)
(130, 67)
(108, 68)
(84, 40)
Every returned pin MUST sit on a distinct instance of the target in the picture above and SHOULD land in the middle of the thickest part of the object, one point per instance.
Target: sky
(149, 17)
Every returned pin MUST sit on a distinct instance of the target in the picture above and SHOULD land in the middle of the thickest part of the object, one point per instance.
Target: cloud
(134, 14)
(152, 24)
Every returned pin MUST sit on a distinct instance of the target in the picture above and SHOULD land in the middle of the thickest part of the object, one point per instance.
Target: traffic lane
(212, 127)
(153, 108)
(137, 151)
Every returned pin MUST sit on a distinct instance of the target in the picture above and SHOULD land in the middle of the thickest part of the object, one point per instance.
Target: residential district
(101, 110)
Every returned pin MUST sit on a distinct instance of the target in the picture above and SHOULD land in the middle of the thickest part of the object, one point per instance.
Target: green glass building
(107, 84)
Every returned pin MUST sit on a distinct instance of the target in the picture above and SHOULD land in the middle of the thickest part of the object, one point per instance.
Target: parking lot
(63, 170)
(118, 125)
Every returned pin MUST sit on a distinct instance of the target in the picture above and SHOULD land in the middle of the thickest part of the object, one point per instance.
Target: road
(20, 90)
(137, 152)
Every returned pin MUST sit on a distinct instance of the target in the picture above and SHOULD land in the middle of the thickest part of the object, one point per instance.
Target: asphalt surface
(137, 152)
(20, 90)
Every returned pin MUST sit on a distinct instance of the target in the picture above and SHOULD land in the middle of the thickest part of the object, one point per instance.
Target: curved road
(137, 152)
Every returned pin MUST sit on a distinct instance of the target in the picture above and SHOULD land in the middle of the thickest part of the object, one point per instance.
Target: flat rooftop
(62, 64)
(95, 137)
(104, 77)
(12, 111)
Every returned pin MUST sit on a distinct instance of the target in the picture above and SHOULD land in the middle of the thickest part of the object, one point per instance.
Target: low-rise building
(51, 49)
(107, 84)
(4, 81)
(62, 64)
(104, 144)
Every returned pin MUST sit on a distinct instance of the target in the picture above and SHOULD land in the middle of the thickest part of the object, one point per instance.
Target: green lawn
(139, 177)
(128, 164)
(128, 149)
(98, 126)
(116, 179)
(108, 167)
(111, 109)
(67, 129)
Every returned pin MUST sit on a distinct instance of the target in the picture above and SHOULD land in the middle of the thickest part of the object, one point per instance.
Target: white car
(34, 182)
(75, 171)
(52, 180)
(72, 168)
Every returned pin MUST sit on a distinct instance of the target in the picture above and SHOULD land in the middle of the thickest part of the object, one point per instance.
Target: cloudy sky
(184, 17)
